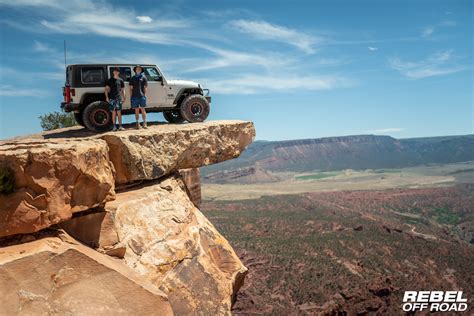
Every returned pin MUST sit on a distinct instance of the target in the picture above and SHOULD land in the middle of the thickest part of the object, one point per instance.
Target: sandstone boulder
(51, 180)
(97, 230)
(192, 180)
(175, 247)
(163, 253)
(162, 149)
(52, 276)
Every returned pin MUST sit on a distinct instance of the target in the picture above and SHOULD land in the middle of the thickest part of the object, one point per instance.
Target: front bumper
(70, 107)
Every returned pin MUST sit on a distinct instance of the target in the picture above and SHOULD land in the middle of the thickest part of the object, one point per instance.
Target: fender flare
(180, 93)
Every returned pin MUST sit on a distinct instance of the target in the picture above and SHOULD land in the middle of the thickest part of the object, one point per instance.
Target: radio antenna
(65, 54)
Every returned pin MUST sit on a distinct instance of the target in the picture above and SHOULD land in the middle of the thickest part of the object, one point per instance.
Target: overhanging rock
(160, 150)
(56, 174)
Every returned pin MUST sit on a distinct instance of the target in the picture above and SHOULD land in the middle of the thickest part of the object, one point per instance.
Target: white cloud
(253, 71)
(385, 130)
(427, 31)
(10, 91)
(448, 23)
(256, 84)
(372, 49)
(101, 18)
(437, 64)
(42, 47)
(267, 31)
(228, 58)
(144, 19)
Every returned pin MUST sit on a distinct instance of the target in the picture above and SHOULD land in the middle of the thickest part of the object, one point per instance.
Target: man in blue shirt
(138, 90)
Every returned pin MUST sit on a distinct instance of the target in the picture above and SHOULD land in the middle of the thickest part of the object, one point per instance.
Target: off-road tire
(97, 117)
(173, 117)
(79, 119)
(195, 108)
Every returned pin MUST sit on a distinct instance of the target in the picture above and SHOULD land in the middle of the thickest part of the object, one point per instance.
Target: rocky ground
(109, 223)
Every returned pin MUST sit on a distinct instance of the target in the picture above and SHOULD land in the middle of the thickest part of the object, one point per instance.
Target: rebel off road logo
(434, 301)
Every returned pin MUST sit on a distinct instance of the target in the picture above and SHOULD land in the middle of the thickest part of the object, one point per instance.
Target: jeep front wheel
(195, 108)
(97, 117)
(173, 116)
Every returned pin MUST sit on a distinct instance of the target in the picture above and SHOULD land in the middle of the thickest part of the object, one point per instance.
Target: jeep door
(126, 75)
(156, 94)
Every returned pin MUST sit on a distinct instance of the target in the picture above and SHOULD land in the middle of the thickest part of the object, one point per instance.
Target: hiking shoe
(139, 126)
(144, 125)
(114, 129)
(121, 128)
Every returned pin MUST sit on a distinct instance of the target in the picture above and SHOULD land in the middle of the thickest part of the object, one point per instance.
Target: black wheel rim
(100, 117)
(175, 114)
(196, 109)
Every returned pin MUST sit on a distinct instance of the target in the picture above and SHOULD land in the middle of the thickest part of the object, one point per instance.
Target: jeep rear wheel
(174, 117)
(97, 117)
(195, 108)
(79, 119)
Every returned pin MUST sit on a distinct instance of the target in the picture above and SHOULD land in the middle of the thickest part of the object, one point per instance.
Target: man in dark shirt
(115, 96)
(138, 90)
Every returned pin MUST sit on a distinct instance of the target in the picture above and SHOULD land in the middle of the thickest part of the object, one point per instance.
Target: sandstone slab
(51, 180)
(162, 149)
(175, 247)
(52, 276)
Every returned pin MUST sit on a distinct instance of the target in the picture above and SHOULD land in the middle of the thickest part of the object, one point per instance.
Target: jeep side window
(125, 73)
(92, 75)
(152, 74)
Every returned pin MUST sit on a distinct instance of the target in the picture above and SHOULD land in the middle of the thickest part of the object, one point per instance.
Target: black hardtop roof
(110, 64)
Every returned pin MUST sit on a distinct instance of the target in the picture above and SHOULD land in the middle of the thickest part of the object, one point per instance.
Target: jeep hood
(187, 83)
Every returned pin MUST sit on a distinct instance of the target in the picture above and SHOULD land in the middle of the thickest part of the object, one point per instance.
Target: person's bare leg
(119, 113)
(114, 117)
(144, 117)
(137, 116)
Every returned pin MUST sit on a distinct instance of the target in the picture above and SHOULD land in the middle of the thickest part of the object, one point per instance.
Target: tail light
(67, 94)
(73, 92)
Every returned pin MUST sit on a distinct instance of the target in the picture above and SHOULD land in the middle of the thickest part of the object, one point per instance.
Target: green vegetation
(316, 176)
(7, 180)
(55, 120)
(444, 216)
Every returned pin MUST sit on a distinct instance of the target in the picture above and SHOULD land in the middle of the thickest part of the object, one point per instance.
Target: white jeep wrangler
(179, 100)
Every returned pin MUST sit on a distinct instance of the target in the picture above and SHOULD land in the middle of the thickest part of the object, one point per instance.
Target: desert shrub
(55, 120)
(7, 180)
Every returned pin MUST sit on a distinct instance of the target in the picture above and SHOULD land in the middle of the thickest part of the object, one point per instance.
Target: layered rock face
(190, 254)
(116, 213)
(52, 181)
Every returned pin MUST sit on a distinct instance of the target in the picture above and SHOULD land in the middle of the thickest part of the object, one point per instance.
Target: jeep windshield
(152, 74)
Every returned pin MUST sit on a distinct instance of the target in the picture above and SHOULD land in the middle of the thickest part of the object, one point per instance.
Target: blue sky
(298, 69)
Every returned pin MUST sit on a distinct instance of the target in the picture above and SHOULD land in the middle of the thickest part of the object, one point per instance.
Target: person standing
(115, 95)
(138, 90)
